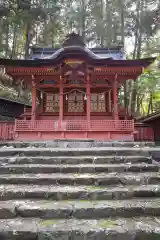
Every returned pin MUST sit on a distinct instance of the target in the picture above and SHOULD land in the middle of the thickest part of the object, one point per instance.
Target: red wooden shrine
(74, 94)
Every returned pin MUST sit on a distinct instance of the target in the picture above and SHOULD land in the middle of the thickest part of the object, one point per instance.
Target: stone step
(80, 209)
(111, 229)
(96, 179)
(79, 190)
(75, 160)
(80, 168)
(99, 151)
(54, 192)
(73, 143)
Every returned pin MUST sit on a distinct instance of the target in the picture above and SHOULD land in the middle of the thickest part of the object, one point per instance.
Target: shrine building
(75, 92)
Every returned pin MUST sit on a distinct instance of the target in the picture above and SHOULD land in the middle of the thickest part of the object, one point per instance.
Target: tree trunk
(122, 21)
(14, 42)
(28, 40)
(83, 19)
(137, 48)
(150, 105)
(122, 15)
(7, 39)
(1, 31)
(109, 24)
(139, 45)
(102, 20)
(129, 95)
(136, 27)
(139, 103)
(134, 96)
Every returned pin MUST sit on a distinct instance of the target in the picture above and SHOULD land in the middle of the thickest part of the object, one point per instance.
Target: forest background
(134, 24)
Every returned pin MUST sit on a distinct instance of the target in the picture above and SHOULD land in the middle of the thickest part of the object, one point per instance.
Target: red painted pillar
(88, 91)
(115, 98)
(109, 102)
(60, 105)
(34, 90)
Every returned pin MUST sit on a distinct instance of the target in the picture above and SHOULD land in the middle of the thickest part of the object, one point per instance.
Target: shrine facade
(75, 92)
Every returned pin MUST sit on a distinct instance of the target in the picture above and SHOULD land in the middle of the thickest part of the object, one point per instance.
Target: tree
(105, 23)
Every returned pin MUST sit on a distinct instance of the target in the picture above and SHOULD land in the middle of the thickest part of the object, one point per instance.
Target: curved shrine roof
(97, 62)
(74, 47)
(74, 50)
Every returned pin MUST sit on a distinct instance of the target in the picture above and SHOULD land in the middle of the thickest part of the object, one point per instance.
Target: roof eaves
(52, 50)
(14, 101)
(149, 117)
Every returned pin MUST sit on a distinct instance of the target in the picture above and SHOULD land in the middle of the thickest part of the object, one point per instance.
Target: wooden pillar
(42, 102)
(60, 105)
(88, 91)
(34, 91)
(115, 98)
(125, 100)
(109, 102)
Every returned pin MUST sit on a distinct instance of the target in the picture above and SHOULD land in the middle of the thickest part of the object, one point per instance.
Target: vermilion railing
(7, 131)
(75, 125)
(142, 132)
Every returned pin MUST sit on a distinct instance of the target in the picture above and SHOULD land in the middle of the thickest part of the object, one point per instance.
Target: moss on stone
(106, 224)
(48, 222)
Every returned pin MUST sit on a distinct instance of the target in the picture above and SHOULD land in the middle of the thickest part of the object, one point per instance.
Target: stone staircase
(81, 190)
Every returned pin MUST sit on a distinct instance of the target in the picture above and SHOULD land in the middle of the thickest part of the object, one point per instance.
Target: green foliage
(106, 23)
(149, 90)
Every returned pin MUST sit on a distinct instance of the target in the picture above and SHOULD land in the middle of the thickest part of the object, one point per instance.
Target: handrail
(75, 125)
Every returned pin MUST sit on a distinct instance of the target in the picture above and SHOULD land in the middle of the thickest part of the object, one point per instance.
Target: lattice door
(52, 102)
(98, 102)
(75, 102)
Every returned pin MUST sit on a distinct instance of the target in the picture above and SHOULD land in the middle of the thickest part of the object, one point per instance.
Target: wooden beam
(117, 69)
(109, 101)
(49, 86)
(34, 90)
(60, 104)
(88, 91)
(115, 98)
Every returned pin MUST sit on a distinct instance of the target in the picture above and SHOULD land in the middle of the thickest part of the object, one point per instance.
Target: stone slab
(9, 192)
(80, 168)
(79, 209)
(75, 160)
(110, 229)
(96, 151)
(73, 143)
(102, 179)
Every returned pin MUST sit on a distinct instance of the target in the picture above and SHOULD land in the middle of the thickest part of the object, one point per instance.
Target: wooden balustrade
(75, 125)
(7, 131)
(142, 132)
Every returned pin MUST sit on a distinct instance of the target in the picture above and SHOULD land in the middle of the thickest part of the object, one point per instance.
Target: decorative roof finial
(74, 39)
